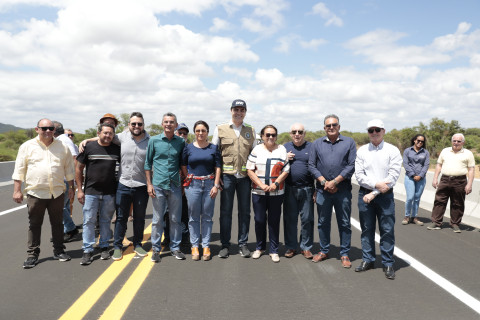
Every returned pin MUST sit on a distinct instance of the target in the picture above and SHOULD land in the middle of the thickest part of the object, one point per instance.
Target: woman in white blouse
(267, 167)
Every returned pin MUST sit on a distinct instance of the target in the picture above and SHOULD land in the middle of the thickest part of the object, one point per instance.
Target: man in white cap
(377, 168)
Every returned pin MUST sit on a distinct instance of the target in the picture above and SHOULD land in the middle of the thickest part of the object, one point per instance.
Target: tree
(154, 129)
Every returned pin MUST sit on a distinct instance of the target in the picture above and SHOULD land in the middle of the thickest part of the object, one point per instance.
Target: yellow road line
(122, 300)
(88, 299)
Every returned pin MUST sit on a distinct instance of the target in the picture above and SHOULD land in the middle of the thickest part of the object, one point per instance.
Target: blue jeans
(383, 209)
(200, 206)
(298, 201)
(172, 198)
(106, 204)
(68, 224)
(342, 202)
(127, 196)
(268, 210)
(243, 187)
(414, 191)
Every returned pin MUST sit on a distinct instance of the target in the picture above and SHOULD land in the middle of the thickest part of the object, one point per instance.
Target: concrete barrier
(471, 216)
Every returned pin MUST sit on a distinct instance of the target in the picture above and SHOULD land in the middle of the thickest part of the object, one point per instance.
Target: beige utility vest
(235, 150)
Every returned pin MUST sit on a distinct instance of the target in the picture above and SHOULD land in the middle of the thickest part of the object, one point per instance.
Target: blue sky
(292, 61)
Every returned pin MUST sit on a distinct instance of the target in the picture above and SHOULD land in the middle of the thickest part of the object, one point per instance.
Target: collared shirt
(43, 168)
(330, 160)
(456, 163)
(69, 143)
(132, 173)
(299, 175)
(416, 163)
(163, 158)
(237, 130)
(377, 164)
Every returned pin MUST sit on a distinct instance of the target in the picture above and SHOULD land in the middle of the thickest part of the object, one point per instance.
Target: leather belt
(454, 177)
(365, 190)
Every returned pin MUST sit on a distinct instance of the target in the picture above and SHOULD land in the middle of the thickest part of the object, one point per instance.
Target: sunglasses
(71, 135)
(374, 129)
(422, 141)
(268, 135)
(136, 124)
(297, 131)
(47, 128)
(332, 125)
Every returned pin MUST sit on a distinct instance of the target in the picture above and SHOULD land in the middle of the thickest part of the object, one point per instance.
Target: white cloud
(331, 18)
(285, 42)
(266, 18)
(219, 25)
(240, 72)
(313, 43)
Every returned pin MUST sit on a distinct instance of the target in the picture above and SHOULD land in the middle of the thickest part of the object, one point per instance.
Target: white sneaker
(275, 257)
(257, 254)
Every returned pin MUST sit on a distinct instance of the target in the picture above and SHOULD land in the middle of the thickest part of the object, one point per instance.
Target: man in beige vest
(235, 140)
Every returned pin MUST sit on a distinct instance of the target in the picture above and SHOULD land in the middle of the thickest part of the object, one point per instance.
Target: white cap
(375, 123)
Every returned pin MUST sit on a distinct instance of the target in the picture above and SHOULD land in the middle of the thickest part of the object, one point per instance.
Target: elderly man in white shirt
(377, 168)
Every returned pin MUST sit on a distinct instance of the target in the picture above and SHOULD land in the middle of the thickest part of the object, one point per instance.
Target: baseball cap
(375, 123)
(238, 103)
(109, 115)
(182, 126)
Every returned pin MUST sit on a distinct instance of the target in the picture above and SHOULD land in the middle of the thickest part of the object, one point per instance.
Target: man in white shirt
(377, 168)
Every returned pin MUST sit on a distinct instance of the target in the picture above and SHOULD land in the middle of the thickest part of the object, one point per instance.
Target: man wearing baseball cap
(235, 140)
(377, 168)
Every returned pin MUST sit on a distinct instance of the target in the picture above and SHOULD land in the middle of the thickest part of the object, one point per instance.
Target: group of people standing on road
(295, 175)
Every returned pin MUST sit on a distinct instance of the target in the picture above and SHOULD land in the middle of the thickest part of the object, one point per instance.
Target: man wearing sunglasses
(235, 140)
(42, 163)
(332, 163)
(456, 164)
(377, 169)
(298, 199)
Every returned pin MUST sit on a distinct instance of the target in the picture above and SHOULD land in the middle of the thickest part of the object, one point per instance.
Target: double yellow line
(122, 300)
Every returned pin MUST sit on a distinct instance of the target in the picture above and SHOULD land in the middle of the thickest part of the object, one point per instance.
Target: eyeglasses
(136, 124)
(457, 141)
(422, 141)
(200, 130)
(332, 125)
(297, 131)
(374, 129)
(268, 135)
(71, 135)
(47, 128)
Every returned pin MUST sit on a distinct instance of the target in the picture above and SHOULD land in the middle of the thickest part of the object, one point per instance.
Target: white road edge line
(11, 210)
(430, 274)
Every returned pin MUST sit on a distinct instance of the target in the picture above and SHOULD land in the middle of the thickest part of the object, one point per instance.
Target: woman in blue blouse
(201, 160)
(416, 160)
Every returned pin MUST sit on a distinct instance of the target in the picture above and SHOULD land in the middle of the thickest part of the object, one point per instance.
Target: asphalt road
(239, 288)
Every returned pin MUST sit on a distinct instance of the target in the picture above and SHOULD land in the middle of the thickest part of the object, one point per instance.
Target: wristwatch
(217, 186)
(322, 183)
(277, 184)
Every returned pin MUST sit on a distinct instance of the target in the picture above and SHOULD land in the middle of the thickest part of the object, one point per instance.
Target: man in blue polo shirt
(332, 163)
(162, 170)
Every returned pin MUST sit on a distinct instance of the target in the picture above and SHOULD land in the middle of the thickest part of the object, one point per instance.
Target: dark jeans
(36, 212)
(125, 197)
(382, 208)
(272, 205)
(243, 187)
(452, 188)
(298, 201)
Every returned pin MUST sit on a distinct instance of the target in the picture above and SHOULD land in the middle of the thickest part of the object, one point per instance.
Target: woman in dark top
(416, 160)
(202, 166)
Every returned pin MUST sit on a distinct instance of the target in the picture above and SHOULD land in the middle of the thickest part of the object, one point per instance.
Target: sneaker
(105, 255)
(416, 221)
(257, 254)
(244, 252)
(61, 256)
(275, 257)
(30, 262)
(69, 236)
(140, 251)
(195, 254)
(117, 254)
(456, 229)
(156, 257)
(433, 226)
(86, 259)
(406, 220)
(223, 253)
(178, 255)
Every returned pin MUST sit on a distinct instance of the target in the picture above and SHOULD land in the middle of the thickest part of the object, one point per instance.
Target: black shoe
(86, 259)
(156, 257)
(30, 262)
(178, 255)
(364, 266)
(223, 253)
(67, 237)
(105, 255)
(389, 272)
(244, 252)
(61, 256)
